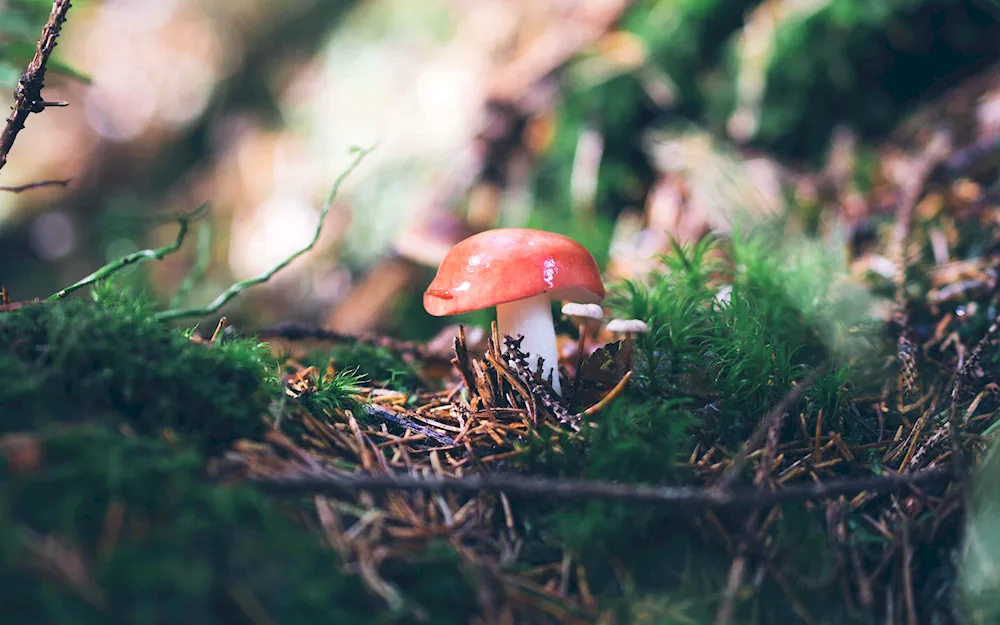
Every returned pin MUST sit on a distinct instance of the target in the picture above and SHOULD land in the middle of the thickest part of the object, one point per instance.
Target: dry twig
(28, 96)
(34, 185)
(766, 424)
(678, 498)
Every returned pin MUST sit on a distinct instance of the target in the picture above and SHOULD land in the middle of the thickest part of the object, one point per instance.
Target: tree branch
(681, 498)
(381, 412)
(34, 185)
(732, 472)
(28, 96)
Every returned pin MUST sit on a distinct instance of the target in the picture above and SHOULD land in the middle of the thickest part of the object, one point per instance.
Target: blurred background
(619, 123)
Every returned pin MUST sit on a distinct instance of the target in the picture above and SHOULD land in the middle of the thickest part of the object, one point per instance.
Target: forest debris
(399, 418)
(607, 399)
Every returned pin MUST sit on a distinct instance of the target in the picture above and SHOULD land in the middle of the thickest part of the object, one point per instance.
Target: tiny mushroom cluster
(520, 271)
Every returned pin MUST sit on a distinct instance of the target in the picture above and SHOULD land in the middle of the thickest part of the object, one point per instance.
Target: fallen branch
(681, 498)
(732, 472)
(239, 287)
(28, 96)
(35, 185)
(385, 414)
(138, 257)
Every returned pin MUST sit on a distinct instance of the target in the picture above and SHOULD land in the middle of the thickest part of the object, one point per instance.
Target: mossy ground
(108, 517)
(126, 412)
(704, 376)
(110, 360)
(109, 418)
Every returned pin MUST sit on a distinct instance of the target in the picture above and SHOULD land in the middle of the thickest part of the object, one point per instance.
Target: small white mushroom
(588, 316)
(590, 311)
(628, 327)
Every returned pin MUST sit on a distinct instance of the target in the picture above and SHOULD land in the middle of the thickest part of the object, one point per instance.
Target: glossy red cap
(508, 264)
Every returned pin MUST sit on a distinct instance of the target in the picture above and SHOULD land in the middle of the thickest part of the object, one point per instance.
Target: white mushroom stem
(532, 318)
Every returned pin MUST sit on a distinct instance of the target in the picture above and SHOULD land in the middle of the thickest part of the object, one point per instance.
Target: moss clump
(707, 372)
(110, 359)
(159, 545)
(732, 356)
(155, 542)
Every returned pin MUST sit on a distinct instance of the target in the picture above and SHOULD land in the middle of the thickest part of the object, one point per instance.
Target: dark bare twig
(769, 420)
(737, 571)
(35, 185)
(679, 498)
(907, 564)
(380, 412)
(28, 96)
(771, 426)
(969, 370)
(958, 457)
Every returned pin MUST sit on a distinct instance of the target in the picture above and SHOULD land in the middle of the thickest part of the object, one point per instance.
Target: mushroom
(628, 327)
(519, 271)
(587, 316)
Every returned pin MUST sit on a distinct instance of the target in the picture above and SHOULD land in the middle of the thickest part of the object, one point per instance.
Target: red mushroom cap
(508, 264)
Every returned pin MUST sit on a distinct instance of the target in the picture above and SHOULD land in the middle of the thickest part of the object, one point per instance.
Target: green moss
(633, 441)
(336, 392)
(705, 374)
(789, 310)
(109, 359)
(980, 553)
(184, 551)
